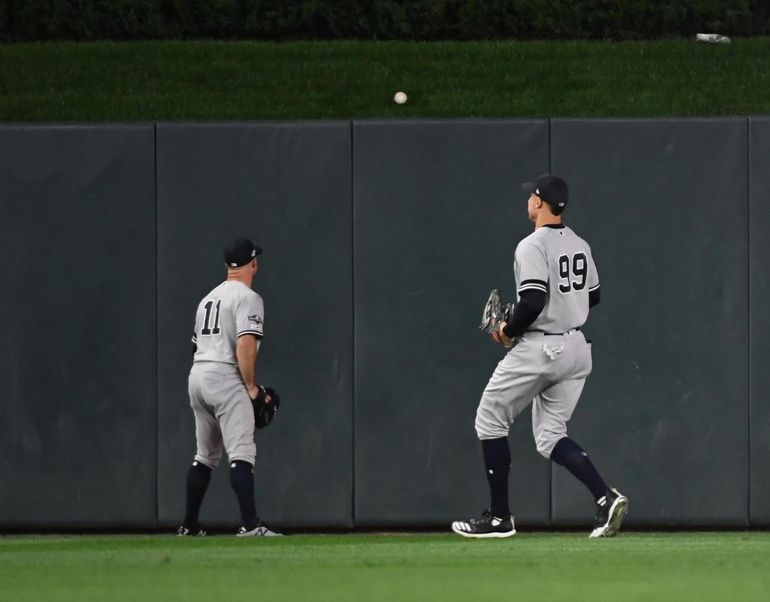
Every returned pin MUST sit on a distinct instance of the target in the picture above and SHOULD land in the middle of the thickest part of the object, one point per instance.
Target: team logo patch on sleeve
(256, 319)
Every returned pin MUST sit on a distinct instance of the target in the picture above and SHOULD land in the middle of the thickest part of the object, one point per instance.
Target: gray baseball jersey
(559, 263)
(551, 362)
(229, 311)
(224, 418)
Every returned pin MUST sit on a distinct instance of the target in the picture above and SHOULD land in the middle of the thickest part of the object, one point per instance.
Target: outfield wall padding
(77, 438)
(664, 415)
(759, 319)
(438, 212)
(287, 186)
(382, 240)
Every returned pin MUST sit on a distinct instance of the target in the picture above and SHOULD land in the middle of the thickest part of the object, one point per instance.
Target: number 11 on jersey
(215, 330)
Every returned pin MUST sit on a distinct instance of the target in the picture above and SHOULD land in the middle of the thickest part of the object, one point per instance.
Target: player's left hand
(265, 405)
(501, 337)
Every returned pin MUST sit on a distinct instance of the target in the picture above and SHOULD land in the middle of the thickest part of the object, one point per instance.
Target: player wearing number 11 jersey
(228, 331)
(547, 365)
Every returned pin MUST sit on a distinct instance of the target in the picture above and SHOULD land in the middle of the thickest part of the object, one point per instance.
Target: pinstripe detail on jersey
(532, 284)
(256, 333)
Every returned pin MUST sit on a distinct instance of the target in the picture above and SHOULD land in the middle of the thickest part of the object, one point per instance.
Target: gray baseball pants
(547, 370)
(224, 417)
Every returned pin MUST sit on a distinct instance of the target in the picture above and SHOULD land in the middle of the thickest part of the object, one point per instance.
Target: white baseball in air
(399, 98)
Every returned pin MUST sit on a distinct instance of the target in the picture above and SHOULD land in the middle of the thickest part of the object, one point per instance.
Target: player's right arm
(594, 290)
(249, 319)
(532, 268)
(246, 353)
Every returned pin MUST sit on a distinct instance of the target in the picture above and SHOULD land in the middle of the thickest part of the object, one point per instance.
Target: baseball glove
(495, 311)
(265, 405)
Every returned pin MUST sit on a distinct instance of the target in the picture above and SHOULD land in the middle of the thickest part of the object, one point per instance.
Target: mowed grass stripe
(537, 566)
(207, 80)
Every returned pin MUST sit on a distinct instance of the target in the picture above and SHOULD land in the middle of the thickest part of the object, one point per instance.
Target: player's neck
(547, 219)
(239, 276)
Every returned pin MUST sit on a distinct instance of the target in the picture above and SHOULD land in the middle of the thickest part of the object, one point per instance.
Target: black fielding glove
(265, 405)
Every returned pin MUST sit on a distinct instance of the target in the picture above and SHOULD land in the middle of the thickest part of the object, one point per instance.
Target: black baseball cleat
(260, 530)
(609, 516)
(183, 531)
(485, 526)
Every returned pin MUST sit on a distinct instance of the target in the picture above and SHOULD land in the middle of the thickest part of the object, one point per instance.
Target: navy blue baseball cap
(552, 189)
(240, 252)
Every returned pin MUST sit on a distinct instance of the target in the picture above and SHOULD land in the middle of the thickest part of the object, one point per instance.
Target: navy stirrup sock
(242, 480)
(497, 461)
(572, 457)
(198, 478)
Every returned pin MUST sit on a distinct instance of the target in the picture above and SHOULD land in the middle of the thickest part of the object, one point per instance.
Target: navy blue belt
(556, 334)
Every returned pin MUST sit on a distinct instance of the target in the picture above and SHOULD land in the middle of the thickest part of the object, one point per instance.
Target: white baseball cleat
(485, 526)
(612, 509)
(261, 530)
(184, 531)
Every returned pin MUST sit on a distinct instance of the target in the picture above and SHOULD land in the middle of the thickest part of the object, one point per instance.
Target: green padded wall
(77, 439)
(759, 256)
(382, 240)
(665, 413)
(288, 187)
(438, 213)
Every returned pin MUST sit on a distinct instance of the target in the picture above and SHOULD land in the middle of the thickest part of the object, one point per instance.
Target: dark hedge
(31, 20)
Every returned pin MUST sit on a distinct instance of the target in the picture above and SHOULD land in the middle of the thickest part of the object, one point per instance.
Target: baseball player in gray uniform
(547, 365)
(222, 383)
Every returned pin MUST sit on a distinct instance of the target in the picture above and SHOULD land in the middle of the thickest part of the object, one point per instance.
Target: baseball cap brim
(530, 187)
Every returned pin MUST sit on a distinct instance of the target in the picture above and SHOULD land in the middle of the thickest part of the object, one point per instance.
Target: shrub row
(27, 20)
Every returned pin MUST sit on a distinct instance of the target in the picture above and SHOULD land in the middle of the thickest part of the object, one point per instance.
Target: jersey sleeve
(593, 275)
(531, 268)
(250, 316)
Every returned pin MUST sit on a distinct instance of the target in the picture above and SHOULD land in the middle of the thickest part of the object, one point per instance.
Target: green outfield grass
(542, 567)
(342, 80)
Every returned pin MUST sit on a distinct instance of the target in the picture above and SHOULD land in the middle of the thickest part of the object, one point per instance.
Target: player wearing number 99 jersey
(556, 261)
(547, 365)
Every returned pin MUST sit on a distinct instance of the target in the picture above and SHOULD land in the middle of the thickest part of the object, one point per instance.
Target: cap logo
(253, 252)
(537, 191)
